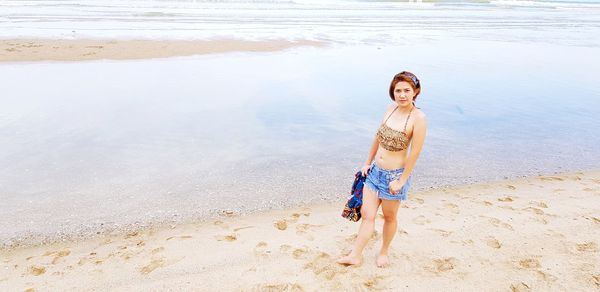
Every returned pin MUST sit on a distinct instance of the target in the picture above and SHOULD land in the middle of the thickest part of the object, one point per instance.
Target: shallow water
(104, 144)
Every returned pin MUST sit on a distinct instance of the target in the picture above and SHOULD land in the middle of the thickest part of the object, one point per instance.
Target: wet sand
(528, 234)
(30, 50)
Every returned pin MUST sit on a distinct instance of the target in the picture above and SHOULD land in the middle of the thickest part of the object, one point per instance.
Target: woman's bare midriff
(390, 159)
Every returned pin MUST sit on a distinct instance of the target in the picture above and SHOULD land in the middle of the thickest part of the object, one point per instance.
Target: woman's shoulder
(420, 117)
(419, 113)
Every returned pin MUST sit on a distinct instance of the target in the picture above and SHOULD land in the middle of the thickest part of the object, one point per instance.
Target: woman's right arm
(371, 156)
(375, 144)
(373, 151)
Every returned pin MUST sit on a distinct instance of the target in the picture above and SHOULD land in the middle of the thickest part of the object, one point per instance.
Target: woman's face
(403, 93)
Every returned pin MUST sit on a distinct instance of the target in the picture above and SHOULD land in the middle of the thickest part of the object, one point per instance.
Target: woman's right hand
(365, 169)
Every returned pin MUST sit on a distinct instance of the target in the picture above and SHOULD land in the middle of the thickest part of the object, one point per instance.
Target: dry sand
(21, 50)
(530, 234)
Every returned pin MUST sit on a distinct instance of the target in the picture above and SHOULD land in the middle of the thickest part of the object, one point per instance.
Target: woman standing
(389, 165)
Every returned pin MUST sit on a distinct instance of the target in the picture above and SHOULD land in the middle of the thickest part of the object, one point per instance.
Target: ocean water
(331, 20)
(95, 146)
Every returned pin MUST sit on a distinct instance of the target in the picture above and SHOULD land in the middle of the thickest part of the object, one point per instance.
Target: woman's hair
(406, 77)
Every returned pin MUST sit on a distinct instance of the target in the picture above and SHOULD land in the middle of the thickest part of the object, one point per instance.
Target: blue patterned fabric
(352, 208)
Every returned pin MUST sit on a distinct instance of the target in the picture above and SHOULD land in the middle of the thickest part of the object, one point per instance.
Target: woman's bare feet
(349, 260)
(382, 260)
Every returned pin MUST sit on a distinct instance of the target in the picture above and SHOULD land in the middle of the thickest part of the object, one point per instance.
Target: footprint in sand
(278, 287)
(596, 279)
(261, 249)
(547, 277)
(539, 204)
(519, 287)
(261, 245)
(284, 248)
(506, 199)
(419, 200)
(487, 203)
(57, 255)
(587, 246)
(132, 234)
(306, 212)
(511, 187)
(129, 254)
(324, 266)
(443, 265)
(492, 242)
(280, 224)
(153, 265)
(303, 228)
(374, 283)
(221, 224)
(534, 210)
(496, 222)
(529, 263)
(452, 208)
(443, 233)
(229, 237)
(587, 267)
(299, 253)
(593, 219)
(294, 218)
(36, 270)
(421, 220)
(180, 237)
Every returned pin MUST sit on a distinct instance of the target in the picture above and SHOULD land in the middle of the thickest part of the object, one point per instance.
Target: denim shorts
(378, 180)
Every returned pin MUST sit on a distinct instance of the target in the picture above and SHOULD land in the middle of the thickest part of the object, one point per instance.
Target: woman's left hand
(395, 186)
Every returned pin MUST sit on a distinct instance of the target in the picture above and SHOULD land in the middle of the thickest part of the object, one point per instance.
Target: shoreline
(36, 50)
(78, 233)
(532, 233)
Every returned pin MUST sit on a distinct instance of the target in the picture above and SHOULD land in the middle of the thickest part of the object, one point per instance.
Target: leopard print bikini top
(390, 139)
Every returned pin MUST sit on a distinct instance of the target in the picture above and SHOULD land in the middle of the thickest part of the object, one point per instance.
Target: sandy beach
(528, 234)
(210, 145)
(31, 50)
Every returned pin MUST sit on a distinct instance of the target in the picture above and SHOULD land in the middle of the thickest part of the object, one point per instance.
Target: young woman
(389, 165)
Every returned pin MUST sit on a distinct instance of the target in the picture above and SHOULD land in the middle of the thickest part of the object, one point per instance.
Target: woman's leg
(390, 211)
(368, 212)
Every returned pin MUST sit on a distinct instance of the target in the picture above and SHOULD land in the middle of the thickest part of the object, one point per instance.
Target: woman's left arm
(418, 139)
